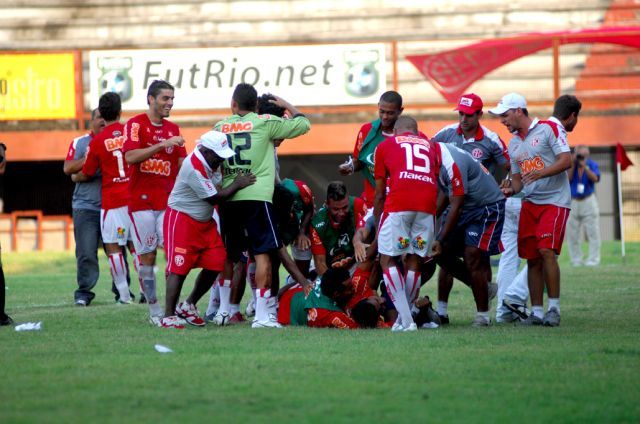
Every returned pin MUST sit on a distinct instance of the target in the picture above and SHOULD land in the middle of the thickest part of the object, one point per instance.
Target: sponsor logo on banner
(37, 86)
(205, 78)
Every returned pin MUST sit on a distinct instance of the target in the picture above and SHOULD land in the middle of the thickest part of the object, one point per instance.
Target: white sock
(262, 295)
(395, 288)
(442, 308)
(119, 274)
(554, 303)
(412, 285)
(537, 311)
(214, 298)
(234, 308)
(225, 295)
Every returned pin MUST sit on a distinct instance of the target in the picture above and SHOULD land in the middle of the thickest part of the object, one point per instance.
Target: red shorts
(284, 305)
(324, 318)
(191, 244)
(541, 227)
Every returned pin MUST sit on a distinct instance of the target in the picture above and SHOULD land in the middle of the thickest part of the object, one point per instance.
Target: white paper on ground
(163, 349)
(29, 326)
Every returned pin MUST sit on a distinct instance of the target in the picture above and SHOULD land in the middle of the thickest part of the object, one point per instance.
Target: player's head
(389, 109)
(160, 98)
(406, 124)
(245, 98)
(110, 106)
(367, 311)
(265, 107)
(282, 204)
(214, 147)
(566, 110)
(336, 284)
(97, 123)
(469, 111)
(513, 113)
(337, 202)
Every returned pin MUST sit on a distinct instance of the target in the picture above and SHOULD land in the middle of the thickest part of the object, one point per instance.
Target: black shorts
(248, 225)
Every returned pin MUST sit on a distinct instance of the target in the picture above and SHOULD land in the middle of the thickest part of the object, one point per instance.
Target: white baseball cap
(216, 141)
(509, 101)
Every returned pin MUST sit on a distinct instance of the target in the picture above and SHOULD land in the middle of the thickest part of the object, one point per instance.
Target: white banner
(341, 74)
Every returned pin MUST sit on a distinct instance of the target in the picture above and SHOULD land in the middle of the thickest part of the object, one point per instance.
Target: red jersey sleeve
(359, 209)
(317, 248)
(305, 193)
(132, 136)
(92, 163)
(362, 134)
(71, 153)
(379, 170)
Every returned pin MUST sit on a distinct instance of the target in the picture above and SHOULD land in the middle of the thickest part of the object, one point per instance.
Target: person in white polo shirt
(540, 157)
(191, 235)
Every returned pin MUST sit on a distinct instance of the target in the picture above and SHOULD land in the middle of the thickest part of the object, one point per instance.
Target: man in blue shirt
(583, 176)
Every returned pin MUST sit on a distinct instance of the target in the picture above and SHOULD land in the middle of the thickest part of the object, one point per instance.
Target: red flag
(622, 158)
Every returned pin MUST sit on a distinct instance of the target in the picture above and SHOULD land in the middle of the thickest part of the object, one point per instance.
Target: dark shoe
(6, 320)
(531, 321)
(551, 318)
(516, 308)
(143, 299)
(444, 319)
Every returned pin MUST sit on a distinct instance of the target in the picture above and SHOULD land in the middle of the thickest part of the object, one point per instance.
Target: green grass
(98, 364)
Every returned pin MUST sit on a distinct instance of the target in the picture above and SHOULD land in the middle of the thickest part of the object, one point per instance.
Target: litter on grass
(29, 326)
(163, 349)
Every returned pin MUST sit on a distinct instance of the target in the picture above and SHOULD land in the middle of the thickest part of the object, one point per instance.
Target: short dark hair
(525, 111)
(110, 106)
(246, 96)
(565, 105)
(332, 279)
(365, 314)
(392, 97)
(265, 107)
(157, 86)
(336, 190)
(407, 123)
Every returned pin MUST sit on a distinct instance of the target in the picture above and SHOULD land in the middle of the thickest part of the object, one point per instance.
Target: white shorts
(406, 232)
(146, 230)
(300, 255)
(115, 225)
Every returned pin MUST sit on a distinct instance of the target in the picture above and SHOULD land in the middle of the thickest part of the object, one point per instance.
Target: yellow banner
(37, 86)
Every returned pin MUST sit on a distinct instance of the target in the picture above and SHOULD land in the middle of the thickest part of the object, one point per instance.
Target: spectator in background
(85, 202)
(583, 176)
(4, 318)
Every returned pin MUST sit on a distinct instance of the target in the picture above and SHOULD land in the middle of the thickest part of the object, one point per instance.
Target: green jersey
(298, 314)
(251, 137)
(337, 242)
(315, 299)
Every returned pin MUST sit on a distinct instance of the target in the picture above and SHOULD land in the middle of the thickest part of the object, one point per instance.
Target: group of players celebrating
(426, 203)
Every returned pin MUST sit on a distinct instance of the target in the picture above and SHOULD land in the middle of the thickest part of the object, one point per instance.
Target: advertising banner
(37, 86)
(341, 74)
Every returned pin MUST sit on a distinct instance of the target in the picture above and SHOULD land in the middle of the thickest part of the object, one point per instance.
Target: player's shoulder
(365, 128)
(447, 130)
(140, 118)
(171, 126)
(551, 125)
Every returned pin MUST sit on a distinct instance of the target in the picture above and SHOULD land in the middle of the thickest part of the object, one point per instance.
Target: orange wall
(327, 138)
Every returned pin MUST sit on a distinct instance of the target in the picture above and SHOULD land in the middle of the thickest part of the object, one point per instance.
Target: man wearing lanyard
(583, 176)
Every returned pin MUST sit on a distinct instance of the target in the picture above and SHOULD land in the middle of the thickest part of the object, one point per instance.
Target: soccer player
(405, 215)
(333, 228)
(155, 150)
(470, 228)
(4, 318)
(296, 230)
(369, 136)
(86, 203)
(247, 218)
(105, 154)
(191, 233)
(540, 157)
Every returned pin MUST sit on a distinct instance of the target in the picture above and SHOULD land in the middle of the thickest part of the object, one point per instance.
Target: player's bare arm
(290, 265)
(241, 181)
(142, 154)
(321, 263)
(456, 203)
(72, 166)
(302, 241)
(512, 186)
(562, 163)
(279, 101)
(381, 195)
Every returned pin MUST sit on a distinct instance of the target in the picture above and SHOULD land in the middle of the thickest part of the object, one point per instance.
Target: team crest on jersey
(418, 243)
(403, 242)
(168, 149)
(151, 240)
(178, 260)
(477, 153)
(535, 142)
(120, 232)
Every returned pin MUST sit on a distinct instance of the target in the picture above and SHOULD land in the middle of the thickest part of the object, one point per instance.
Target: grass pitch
(98, 364)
